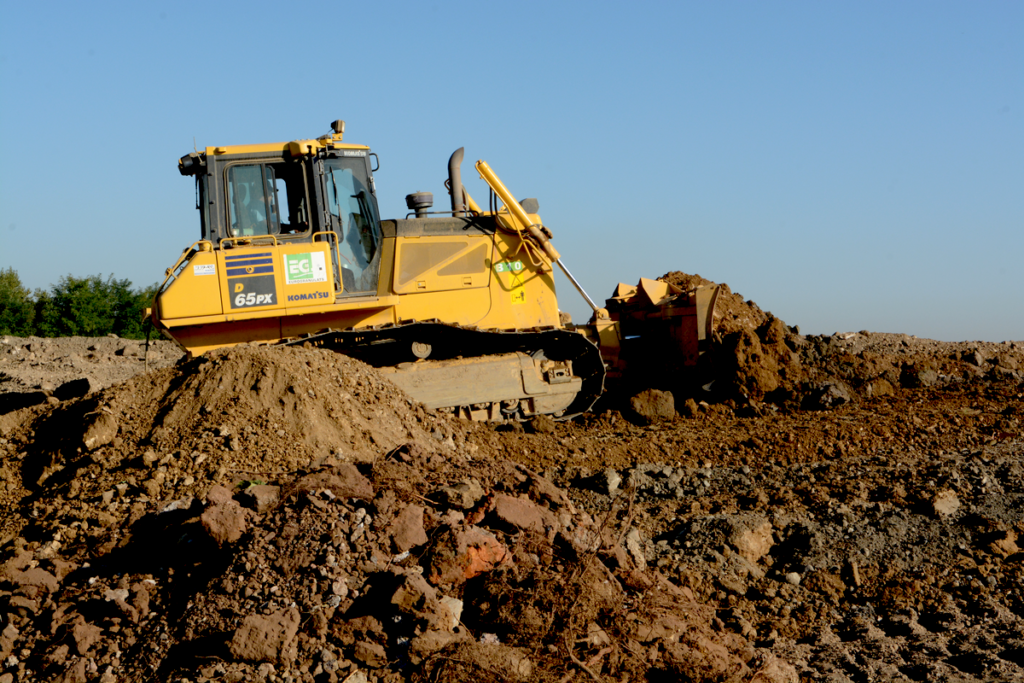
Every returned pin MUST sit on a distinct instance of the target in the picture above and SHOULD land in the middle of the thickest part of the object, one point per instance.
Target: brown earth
(837, 508)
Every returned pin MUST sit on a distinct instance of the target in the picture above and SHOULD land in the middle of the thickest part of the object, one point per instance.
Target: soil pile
(286, 514)
(753, 356)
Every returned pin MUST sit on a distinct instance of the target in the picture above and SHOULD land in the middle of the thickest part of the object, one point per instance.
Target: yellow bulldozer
(458, 306)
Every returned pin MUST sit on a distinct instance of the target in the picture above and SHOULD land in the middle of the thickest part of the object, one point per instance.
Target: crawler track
(392, 345)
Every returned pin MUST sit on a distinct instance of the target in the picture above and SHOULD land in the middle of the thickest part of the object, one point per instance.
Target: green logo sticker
(300, 269)
(508, 267)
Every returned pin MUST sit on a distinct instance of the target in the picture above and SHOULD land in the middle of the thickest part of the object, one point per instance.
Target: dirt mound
(287, 514)
(753, 356)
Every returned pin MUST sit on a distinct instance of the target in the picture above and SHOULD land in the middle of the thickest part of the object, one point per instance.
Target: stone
(542, 424)
(653, 405)
(34, 581)
(217, 495)
(406, 529)
(945, 503)
(454, 606)
(225, 522)
(827, 395)
(85, 635)
(793, 578)
(343, 480)
(463, 495)
(750, 535)
(608, 482)
(100, 429)
(974, 357)
(635, 548)
(1005, 545)
(690, 409)
(414, 596)
(462, 553)
(521, 514)
(916, 375)
(879, 387)
(371, 654)
(261, 497)
(266, 638)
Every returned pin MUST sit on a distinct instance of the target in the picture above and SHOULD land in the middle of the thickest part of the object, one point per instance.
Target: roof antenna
(194, 145)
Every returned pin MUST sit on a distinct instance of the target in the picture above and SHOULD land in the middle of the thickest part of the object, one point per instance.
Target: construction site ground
(826, 508)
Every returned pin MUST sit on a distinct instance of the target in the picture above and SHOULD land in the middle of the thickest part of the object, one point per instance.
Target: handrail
(337, 251)
(247, 239)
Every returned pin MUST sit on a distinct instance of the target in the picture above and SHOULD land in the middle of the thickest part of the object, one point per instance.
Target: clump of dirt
(753, 355)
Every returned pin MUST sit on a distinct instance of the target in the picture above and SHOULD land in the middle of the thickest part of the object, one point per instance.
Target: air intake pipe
(455, 182)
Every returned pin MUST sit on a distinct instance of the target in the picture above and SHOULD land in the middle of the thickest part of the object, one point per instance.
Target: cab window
(267, 199)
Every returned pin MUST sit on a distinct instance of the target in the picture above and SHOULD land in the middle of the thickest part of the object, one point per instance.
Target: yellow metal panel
(522, 294)
(308, 274)
(293, 147)
(460, 307)
(196, 290)
(434, 264)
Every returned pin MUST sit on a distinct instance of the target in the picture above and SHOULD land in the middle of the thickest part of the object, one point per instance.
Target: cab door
(350, 205)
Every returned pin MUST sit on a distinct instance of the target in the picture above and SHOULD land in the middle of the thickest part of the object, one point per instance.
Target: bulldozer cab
(275, 195)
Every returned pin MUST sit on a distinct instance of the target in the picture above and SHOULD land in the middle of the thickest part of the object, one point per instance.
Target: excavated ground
(840, 508)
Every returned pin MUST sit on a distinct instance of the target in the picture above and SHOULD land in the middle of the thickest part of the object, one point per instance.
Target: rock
(463, 495)
(371, 654)
(343, 480)
(85, 635)
(635, 548)
(652, 405)
(463, 553)
(406, 529)
(430, 642)
(1005, 545)
(225, 522)
(974, 357)
(217, 495)
(945, 503)
(454, 606)
(261, 497)
(100, 429)
(542, 424)
(750, 535)
(915, 375)
(608, 482)
(690, 408)
(415, 597)
(770, 669)
(34, 581)
(827, 395)
(793, 578)
(521, 514)
(266, 638)
(879, 387)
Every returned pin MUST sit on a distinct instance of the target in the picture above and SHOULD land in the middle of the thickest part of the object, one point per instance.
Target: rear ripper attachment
(458, 307)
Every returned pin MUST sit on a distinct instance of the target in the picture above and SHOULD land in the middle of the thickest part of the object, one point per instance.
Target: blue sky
(846, 165)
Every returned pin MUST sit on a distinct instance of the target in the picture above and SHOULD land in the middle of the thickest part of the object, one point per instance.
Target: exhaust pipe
(455, 182)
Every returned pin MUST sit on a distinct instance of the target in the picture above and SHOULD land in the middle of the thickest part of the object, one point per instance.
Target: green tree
(91, 307)
(16, 305)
